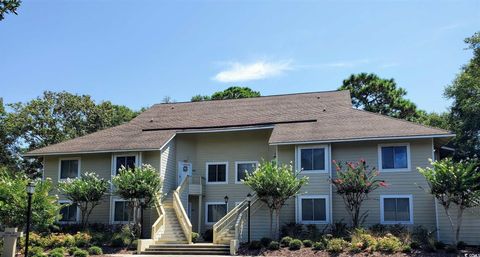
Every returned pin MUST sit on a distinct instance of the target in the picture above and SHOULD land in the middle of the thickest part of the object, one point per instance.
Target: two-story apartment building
(203, 150)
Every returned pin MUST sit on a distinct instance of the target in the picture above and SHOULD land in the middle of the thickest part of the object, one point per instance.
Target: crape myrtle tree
(454, 184)
(86, 192)
(354, 182)
(274, 184)
(13, 201)
(8, 6)
(139, 186)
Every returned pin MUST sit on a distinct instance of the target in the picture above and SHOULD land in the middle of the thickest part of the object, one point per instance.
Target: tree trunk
(277, 225)
(271, 223)
(459, 224)
(451, 221)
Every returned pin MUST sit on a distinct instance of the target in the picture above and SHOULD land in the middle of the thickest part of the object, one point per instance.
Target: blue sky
(136, 52)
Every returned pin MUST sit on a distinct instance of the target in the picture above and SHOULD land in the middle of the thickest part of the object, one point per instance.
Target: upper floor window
(68, 211)
(69, 168)
(396, 209)
(312, 159)
(217, 173)
(394, 157)
(125, 161)
(242, 168)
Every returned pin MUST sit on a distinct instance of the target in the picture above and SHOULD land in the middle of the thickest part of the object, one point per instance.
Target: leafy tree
(433, 119)
(374, 94)
(465, 109)
(138, 186)
(199, 98)
(229, 93)
(7, 141)
(86, 192)
(354, 182)
(455, 183)
(13, 204)
(274, 185)
(8, 6)
(58, 116)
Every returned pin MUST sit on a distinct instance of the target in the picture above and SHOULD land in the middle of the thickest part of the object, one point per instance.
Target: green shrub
(295, 244)
(72, 250)
(133, 245)
(80, 253)
(38, 255)
(307, 243)
(407, 249)
(57, 252)
(362, 240)
(117, 241)
(255, 245)
(292, 229)
(95, 250)
(286, 241)
(195, 237)
(461, 245)
(439, 245)
(265, 241)
(378, 230)
(273, 246)
(423, 237)
(99, 238)
(336, 245)
(318, 246)
(398, 230)
(36, 251)
(339, 229)
(312, 232)
(414, 245)
(450, 249)
(82, 239)
(389, 244)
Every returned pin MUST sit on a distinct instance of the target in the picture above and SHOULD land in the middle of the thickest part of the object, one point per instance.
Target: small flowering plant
(353, 182)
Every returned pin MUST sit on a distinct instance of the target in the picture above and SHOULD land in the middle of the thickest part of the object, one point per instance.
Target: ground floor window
(215, 211)
(122, 211)
(68, 211)
(396, 209)
(313, 209)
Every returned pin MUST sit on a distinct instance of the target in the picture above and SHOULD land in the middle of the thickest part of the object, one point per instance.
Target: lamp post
(249, 200)
(226, 199)
(30, 190)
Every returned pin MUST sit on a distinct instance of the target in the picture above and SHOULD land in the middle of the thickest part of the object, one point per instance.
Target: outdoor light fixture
(226, 199)
(30, 191)
(249, 200)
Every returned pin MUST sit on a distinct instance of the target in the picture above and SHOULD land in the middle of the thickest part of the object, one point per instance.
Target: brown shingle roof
(319, 116)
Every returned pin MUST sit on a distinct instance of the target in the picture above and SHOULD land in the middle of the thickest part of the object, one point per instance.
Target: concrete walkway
(146, 255)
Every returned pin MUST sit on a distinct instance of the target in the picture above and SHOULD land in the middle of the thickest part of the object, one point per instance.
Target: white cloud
(238, 72)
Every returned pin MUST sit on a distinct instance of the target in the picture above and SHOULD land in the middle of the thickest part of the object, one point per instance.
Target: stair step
(190, 246)
(187, 252)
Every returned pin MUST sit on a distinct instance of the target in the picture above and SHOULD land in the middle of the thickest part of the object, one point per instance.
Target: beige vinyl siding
(101, 164)
(470, 231)
(168, 168)
(399, 183)
(224, 147)
(149, 214)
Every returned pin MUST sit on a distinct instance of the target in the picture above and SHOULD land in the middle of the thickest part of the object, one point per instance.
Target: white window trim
(114, 160)
(68, 159)
(112, 211)
(206, 211)
(298, 208)
(77, 218)
(216, 183)
(380, 168)
(236, 169)
(382, 218)
(298, 157)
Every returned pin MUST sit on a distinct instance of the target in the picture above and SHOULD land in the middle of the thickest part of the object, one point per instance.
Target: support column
(10, 241)
(199, 213)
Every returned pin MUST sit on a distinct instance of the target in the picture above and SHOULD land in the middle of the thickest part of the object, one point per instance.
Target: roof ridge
(262, 96)
(402, 120)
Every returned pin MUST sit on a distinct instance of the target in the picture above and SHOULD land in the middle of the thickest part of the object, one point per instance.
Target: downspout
(437, 225)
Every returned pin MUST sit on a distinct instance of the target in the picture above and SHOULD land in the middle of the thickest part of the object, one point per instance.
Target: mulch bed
(307, 252)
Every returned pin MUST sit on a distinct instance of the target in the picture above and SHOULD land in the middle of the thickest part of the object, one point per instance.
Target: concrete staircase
(188, 249)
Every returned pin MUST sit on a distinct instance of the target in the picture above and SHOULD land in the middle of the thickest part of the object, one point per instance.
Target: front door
(184, 169)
